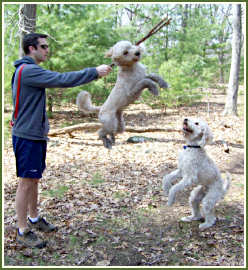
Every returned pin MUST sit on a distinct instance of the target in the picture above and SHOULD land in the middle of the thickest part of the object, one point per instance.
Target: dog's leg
(208, 203)
(195, 199)
(103, 136)
(109, 127)
(161, 82)
(106, 142)
(169, 179)
(141, 85)
(121, 122)
(185, 182)
(112, 138)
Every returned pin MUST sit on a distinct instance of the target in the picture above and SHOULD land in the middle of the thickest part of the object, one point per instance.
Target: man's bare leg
(26, 200)
(33, 200)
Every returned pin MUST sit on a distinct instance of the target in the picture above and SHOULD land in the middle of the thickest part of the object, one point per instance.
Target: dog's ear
(207, 136)
(109, 53)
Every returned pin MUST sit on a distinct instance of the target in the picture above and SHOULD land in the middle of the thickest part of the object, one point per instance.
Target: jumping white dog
(131, 81)
(197, 169)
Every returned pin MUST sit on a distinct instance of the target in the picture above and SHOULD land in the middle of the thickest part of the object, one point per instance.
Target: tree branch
(95, 126)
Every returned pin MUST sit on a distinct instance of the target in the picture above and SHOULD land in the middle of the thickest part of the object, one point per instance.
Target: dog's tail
(227, 182)
(84, 103)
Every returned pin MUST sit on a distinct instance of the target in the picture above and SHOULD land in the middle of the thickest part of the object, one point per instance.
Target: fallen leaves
(109, 204)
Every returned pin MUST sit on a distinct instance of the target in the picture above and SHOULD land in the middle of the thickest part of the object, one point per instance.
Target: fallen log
(95, 126)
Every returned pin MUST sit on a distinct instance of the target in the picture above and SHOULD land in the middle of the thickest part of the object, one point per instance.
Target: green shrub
(184, 79)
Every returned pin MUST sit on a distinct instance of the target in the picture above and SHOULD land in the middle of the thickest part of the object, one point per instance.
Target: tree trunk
(222, 62)
(184, 25)
(232, 92)
(50, 103)
(27, 22)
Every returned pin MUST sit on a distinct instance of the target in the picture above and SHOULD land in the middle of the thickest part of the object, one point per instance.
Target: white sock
(34, 219)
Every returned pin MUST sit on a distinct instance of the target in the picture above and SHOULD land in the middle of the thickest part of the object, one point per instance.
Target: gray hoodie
(32, 122)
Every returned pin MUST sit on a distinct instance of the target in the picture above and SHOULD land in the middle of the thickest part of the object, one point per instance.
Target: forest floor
(109, 204)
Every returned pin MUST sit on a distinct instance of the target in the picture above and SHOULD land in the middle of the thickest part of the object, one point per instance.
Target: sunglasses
(44, 46)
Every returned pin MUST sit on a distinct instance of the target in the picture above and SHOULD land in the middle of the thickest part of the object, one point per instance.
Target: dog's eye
(125, 53)
(197, 123)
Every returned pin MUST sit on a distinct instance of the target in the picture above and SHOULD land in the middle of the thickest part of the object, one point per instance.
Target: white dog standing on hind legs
(131, 81)
(197, 169)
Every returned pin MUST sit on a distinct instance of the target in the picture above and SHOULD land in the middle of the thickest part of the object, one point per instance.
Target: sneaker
(43, 225)
(30, 239)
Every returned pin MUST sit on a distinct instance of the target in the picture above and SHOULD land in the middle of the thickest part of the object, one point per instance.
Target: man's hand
(103, 70)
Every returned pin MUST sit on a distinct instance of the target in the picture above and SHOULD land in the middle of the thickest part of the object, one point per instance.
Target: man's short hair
(31, 40)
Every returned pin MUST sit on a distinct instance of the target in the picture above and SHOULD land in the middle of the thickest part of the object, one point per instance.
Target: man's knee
(27, 184)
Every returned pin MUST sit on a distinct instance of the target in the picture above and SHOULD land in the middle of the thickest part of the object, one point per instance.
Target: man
(30, 129)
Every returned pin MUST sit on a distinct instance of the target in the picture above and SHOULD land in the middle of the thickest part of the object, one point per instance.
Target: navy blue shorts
(30, 157)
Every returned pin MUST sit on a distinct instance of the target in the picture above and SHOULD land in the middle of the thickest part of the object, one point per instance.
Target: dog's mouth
(136, 59)
(186, 129)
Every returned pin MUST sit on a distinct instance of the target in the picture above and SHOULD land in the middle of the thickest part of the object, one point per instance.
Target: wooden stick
(154, 30)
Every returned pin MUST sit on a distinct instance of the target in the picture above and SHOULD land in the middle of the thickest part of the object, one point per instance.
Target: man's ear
(31, 48)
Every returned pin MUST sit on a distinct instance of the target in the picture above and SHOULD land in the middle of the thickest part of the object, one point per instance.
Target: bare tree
(27, 21)
(232, 92)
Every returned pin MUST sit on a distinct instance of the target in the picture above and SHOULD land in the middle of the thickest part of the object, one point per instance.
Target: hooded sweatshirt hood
(24, 60)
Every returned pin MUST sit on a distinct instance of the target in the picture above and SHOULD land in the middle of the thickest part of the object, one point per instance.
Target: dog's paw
(112, 139)
(163, 84)
(156, 78)
(207, 225)
(204, 226)
(107, 143)
(191, 218)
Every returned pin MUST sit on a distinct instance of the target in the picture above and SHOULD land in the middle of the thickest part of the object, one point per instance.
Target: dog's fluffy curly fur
(197, 169)
(131, 81)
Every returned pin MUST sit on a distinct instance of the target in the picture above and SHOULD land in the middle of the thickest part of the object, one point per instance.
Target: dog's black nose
(137, 54)
(185, 120)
